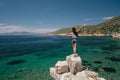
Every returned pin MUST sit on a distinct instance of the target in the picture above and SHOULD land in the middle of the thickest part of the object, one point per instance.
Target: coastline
(66, 34)
(116, 36)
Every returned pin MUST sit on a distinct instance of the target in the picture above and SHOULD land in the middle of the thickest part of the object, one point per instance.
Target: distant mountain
(19, 33)
(108, 27)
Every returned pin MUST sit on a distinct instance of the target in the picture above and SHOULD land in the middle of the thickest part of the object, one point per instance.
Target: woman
(74, 40)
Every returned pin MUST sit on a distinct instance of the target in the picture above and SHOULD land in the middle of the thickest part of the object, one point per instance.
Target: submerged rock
(85, 61)
(97, 62)
(114, 58)
(20, 70)
(12, 76)
(109, 69)
(96, 69)
(16, 62)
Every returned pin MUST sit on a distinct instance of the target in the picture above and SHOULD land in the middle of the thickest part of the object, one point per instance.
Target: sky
(48, 15)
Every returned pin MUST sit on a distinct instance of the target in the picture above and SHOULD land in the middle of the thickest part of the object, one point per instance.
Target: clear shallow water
(30, 57)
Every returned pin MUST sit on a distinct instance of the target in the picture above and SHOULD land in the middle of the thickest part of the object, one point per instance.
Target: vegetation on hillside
(111, 26)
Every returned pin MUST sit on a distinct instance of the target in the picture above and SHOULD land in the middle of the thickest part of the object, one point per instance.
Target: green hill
(108, 27)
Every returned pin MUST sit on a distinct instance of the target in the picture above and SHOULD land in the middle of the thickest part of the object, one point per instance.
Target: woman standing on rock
(74, 40)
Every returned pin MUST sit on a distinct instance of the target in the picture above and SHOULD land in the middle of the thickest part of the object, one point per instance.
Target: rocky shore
(117, 36)
(72, 69)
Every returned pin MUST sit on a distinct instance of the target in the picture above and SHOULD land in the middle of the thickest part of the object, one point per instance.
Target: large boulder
(74, 63)
(62, 67)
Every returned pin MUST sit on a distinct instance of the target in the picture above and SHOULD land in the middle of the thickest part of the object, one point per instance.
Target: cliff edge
(72, 69)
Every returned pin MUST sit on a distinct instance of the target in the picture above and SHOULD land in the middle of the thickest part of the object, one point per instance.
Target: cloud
(107, 18)
(11, 28)
(99, 18)
(84, 24)
(1, 24)
(88, 19)
(14, 28)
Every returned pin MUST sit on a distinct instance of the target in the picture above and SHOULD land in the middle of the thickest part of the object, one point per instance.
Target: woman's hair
(74, 31)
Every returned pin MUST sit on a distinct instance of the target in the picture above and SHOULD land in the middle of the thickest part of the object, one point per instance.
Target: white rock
(79, 76)
(74, 63)
(82, 76)
(100, 79)
(52, 72)
(67, 76)
(58, 76)
(71, 69)
(91, 74)
(62, 67)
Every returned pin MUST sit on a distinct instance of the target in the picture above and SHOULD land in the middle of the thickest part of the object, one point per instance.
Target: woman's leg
(74, 47)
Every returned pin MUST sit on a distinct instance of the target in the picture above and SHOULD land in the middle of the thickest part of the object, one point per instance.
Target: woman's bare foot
(75, 55)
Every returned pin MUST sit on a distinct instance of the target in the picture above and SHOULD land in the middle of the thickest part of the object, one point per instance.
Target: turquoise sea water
(30, 57)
